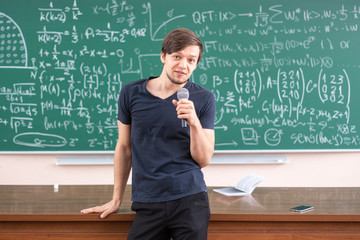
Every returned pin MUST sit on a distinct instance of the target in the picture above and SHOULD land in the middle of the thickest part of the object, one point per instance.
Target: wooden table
(37, 212)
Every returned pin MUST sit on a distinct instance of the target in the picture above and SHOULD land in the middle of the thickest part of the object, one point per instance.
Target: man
(168, 189)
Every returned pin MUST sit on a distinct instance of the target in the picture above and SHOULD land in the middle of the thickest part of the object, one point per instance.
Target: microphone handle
(183, 123)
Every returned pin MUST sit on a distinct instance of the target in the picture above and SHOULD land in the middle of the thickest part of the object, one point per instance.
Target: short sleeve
(124, 114)
(207, 116)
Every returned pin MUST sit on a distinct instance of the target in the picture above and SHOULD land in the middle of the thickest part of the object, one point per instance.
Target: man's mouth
(180, 72)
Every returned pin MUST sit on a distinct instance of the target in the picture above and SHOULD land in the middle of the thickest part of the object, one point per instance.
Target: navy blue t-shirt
(162, 166)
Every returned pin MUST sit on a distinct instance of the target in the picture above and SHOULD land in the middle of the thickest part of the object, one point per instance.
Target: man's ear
(162, 57)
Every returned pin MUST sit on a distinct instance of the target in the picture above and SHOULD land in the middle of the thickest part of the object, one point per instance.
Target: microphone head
(182, 93)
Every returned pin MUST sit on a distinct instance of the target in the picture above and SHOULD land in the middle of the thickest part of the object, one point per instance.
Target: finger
(92, 210)
(180, 113)
(108, 211)
(185, 117)
(105, 214)
(181, 107)
(175, 102)
(87, 210)
(184, 109)
(183, 101)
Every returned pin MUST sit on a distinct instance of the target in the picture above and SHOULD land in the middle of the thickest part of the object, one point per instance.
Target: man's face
(179, 66)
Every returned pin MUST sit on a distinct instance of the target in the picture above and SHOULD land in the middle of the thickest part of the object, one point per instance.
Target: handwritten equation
(284, 74)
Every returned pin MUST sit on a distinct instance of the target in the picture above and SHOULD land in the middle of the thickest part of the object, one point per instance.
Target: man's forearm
(201, 145)
(122, 167)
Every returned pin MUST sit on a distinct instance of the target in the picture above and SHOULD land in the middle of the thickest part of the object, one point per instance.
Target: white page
(231, 191)
(249, 183)
(245, 186)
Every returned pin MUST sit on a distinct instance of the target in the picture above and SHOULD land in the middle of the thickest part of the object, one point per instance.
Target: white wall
(302, 170)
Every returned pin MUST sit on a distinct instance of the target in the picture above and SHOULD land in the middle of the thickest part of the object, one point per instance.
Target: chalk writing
(284, 74)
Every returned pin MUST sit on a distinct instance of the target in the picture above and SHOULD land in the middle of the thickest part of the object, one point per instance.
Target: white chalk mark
(22, 37)
(36, 139)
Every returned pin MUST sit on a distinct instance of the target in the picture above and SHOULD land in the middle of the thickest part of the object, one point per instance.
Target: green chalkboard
(285, 73)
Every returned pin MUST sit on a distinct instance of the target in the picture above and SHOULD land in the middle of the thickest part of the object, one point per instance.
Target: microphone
(183, 93)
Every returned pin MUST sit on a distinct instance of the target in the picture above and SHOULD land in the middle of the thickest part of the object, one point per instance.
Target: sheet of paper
(231, 191)
(245, 186)
(249, 183)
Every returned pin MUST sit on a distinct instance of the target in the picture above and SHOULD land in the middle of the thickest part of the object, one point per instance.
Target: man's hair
(180, 38)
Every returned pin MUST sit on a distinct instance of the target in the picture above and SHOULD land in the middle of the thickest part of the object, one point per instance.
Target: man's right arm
(122, 167)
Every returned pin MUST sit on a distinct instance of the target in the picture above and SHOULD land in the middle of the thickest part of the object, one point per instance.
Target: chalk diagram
(273, 137)
(249, 136)
(13, 51)
(149, 64)
(171, 18)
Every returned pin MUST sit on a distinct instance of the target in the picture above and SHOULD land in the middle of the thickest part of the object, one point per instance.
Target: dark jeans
(185, 218)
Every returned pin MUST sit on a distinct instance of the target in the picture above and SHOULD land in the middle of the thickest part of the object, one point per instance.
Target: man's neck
(163, 87)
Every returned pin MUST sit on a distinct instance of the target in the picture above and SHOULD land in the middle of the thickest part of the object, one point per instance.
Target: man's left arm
(201, 140)
(201, 145)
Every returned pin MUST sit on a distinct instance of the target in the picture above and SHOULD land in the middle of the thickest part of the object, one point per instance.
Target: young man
(168, 189)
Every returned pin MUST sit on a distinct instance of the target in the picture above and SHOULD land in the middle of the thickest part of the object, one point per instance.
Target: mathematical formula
(282, 73)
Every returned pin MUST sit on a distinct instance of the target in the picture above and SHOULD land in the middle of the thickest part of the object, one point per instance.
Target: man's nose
(183, 63)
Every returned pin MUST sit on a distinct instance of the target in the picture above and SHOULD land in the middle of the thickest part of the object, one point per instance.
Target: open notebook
(245, 186)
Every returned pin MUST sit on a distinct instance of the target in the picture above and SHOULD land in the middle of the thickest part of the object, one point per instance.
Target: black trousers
(185, 218)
